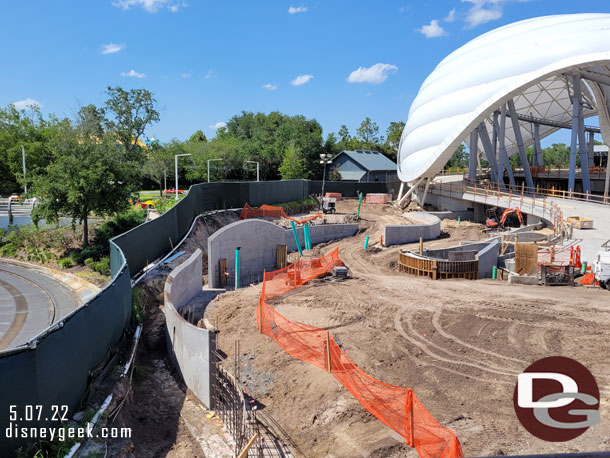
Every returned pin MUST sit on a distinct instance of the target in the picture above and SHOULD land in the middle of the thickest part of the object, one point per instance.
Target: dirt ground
(459, 344)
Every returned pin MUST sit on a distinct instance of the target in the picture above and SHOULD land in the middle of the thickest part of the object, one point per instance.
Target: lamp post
(325, 159)
(209, 160)
(257, 164)
(176, 156)
(25, 184)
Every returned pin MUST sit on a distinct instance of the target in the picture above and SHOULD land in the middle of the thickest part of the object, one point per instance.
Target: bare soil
(459, 344)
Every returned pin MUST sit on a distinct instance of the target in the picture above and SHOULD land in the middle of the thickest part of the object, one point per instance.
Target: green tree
(158, 164)
(198, 137)
(87, 175)
(334, 174)
(368, 132)
(131, 112)
(459, 159)
(393, 135)
(293, 166)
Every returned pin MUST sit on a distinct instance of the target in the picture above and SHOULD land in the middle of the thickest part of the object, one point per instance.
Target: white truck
(601, 269)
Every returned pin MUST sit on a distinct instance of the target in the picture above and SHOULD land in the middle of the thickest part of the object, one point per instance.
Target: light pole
(176, 156)
(325, 159)
(257, 164)
(209, 160)
(25, 185)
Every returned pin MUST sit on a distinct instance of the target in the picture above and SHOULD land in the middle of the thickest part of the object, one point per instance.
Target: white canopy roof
(525, 61)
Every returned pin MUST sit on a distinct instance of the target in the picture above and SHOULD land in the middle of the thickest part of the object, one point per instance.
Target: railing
(491, 193)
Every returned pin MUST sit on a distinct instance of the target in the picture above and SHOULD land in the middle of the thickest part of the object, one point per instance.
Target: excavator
(493, 222)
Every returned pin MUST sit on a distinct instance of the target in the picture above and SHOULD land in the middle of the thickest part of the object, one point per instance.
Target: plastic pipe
(237, 272)
(306, 236)
(494, 272)
(296, 237)
(459, 220)
(583, 269)
(366, 242)
(359, 203)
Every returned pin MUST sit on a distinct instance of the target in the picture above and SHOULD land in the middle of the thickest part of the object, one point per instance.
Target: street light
(176, 156)
(25, 184)
(257, 164)
(209, 160)
(325, 159)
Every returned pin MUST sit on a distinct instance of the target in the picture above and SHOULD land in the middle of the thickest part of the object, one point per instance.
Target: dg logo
(556, 399)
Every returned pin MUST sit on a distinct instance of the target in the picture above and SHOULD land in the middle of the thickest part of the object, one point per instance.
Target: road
(29, 303)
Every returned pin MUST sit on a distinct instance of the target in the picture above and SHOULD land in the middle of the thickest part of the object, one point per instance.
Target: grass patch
(138, 300)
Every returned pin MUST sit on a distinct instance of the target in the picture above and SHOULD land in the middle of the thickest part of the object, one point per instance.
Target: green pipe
(583, 269)
(237, 271)
(359, 203)
(494, 272)
(459, 220)
(366, 242)
(306, 236)
(296, 237)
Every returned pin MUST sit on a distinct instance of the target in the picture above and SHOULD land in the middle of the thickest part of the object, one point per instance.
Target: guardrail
(492, 194)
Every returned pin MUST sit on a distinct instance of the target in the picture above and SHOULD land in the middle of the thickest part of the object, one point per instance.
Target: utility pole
(324, 159)
(176, 156)
(209, 160)
(257, 164)
(25, 185)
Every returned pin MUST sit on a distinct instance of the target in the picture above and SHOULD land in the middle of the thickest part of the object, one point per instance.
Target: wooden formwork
(437, 268)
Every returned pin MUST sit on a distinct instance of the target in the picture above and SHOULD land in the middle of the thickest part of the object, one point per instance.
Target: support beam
(591, 149)
(582, 142)
(595, 77)
(484, 136)
(607, 182)
(558, 124)
(575, 128)
(423, 200)
(402, 187)
(474, 152)
(538, 159)
(519, 139)
(503, 155)
(410, 191)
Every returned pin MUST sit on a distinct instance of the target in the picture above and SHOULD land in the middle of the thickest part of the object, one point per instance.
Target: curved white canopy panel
(528, 62)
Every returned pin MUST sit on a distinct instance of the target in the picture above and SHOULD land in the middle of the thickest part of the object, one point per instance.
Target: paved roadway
(29, 303)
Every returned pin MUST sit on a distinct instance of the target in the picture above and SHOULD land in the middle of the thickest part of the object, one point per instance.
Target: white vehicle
(601, 269)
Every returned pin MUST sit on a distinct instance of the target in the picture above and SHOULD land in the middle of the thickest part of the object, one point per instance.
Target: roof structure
(530, 64)
(371, 161)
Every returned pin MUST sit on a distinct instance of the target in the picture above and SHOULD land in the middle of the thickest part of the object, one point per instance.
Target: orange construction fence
(270, 211)
(396, 406)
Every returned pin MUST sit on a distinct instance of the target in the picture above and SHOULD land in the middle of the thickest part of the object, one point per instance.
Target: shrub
(65, 263)
(103, 266)
(9, 250)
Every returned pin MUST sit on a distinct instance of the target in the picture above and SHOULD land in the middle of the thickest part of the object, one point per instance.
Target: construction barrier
(269, 211)
(396, 406)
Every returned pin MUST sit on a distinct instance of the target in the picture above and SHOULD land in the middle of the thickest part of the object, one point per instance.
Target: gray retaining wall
(408, 233)
(258, 240)
(190, 347)
(487, 254)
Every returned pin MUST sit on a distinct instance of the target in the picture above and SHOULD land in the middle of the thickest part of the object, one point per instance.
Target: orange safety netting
(270, 211)
(396, 406)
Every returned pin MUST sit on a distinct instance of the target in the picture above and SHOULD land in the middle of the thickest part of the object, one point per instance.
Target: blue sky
(336, 61)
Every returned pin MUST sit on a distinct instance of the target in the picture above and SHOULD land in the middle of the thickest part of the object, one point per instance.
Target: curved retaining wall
(258, 240)
(486, 253)
(190, 347)
(408, 233)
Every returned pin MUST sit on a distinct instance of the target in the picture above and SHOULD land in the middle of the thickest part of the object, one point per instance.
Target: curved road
(29, 303)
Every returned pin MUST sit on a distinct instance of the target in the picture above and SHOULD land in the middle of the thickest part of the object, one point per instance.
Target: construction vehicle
(601, 267)
(329, 204)
(506, 220)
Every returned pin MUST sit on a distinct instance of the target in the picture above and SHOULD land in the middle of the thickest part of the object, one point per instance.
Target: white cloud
(451, 16)
(432, 30)
(270, 87)
(152, 6)
(298, 9)
(483, 11)
(27, 103)
(112, 48)
(375, 74)
(218, 125)
(301, 79)
(209, 75)
(133, 74)
(186, 75)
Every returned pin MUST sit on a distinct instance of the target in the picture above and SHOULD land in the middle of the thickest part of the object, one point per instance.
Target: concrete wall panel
(401, 234)
(189, 346)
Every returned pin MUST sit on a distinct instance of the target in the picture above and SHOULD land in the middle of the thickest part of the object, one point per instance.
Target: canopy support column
(582, 142)
(410, 191)
(503, 158)
(519, 139)
(538, 159)
(484, 136)
(474, 152)
(591, 149)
